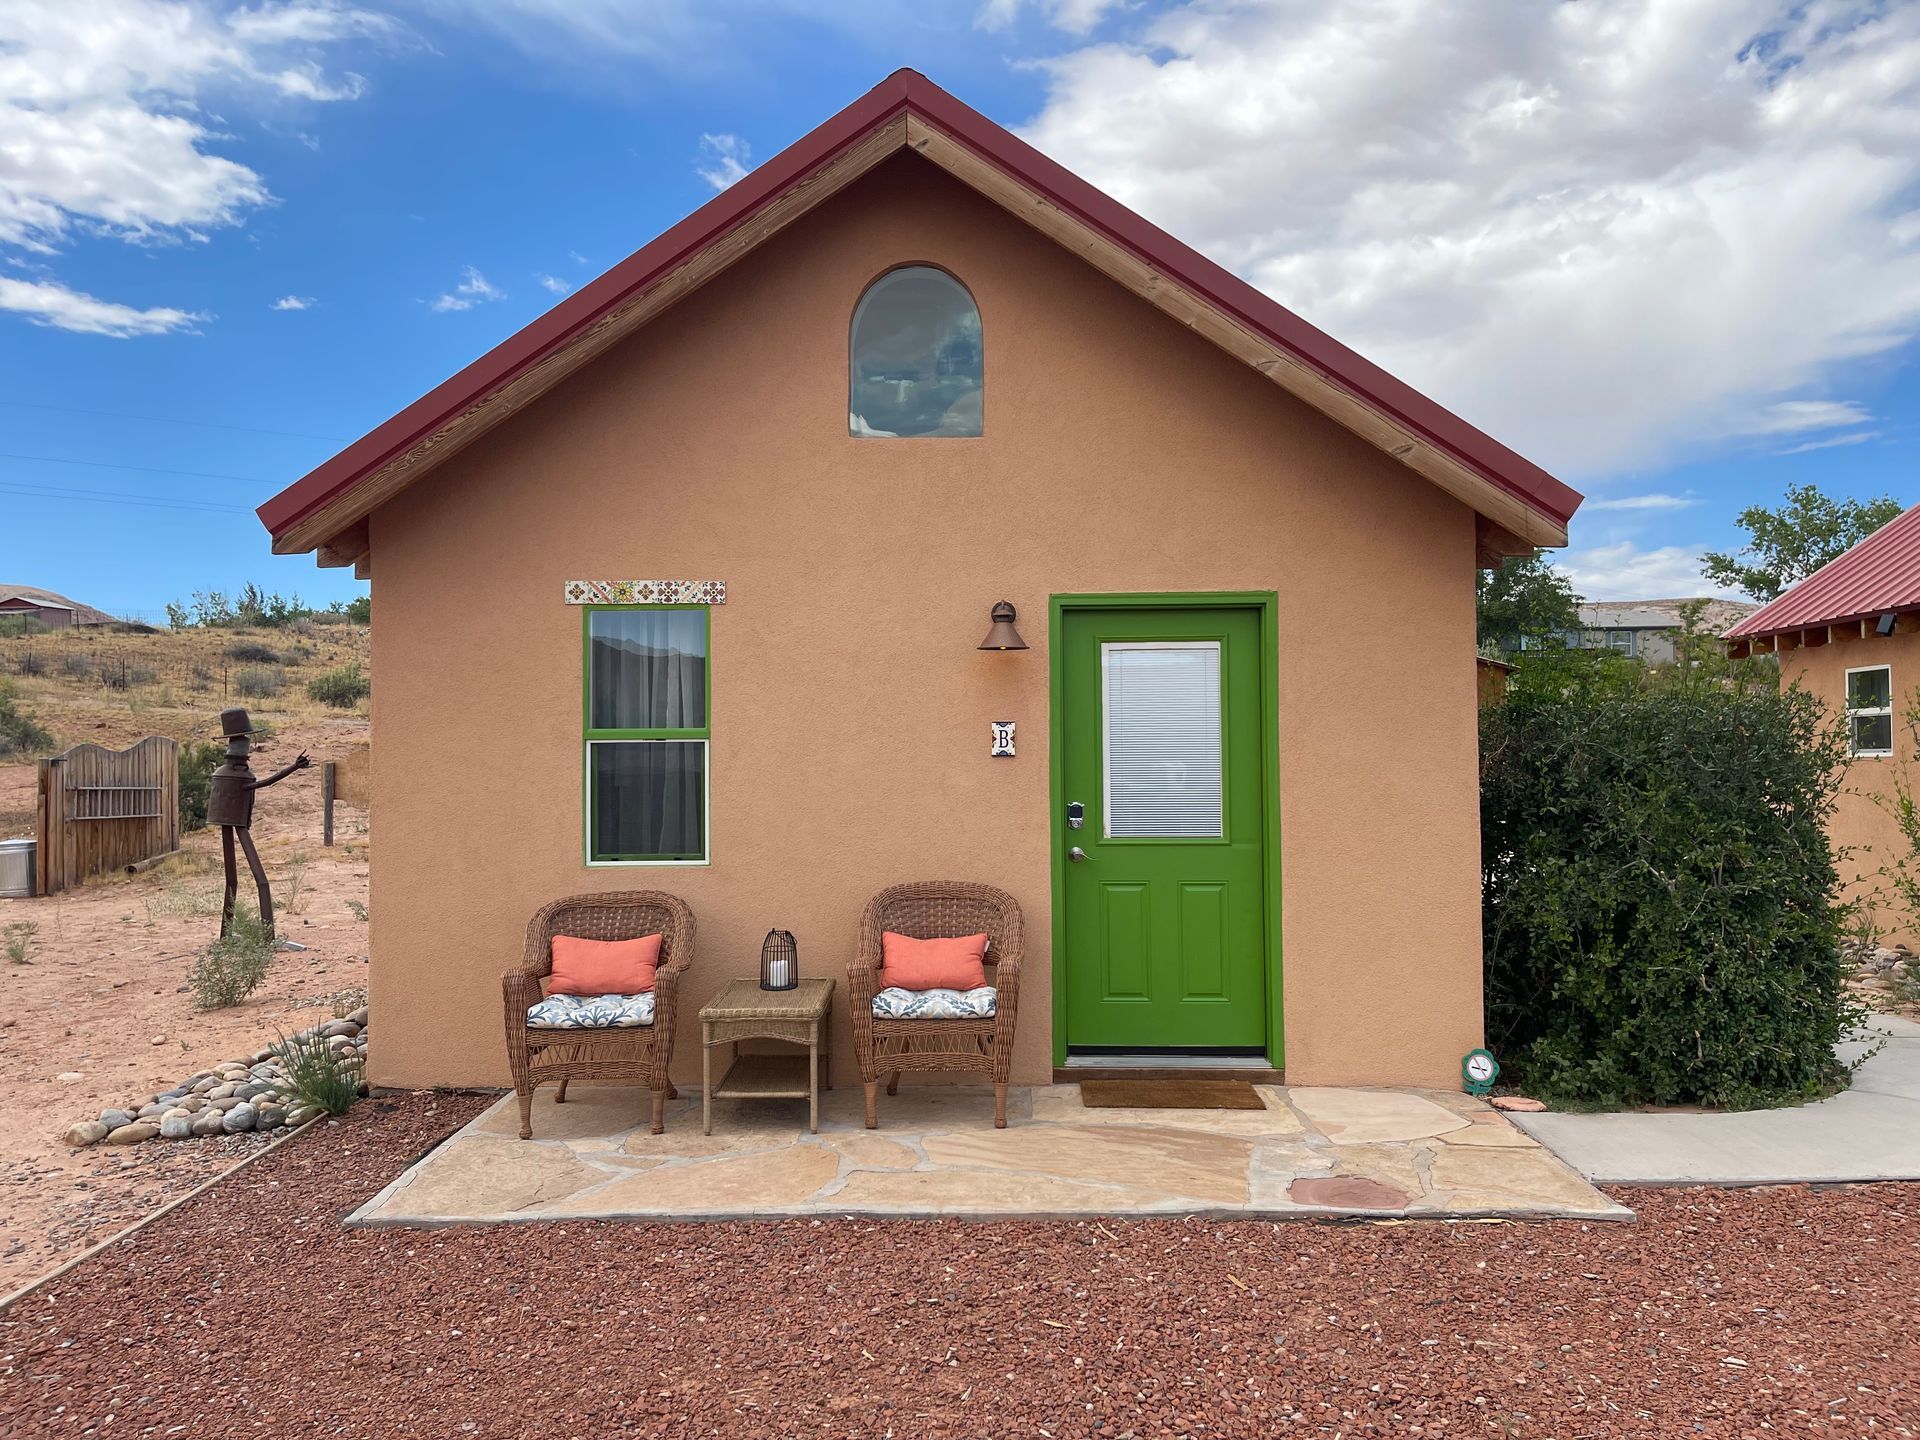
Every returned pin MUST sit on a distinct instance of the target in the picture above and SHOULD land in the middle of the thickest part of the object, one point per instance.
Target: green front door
(1165, 910)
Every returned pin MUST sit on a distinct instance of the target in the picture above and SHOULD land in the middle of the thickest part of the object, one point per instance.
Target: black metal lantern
(779, 961)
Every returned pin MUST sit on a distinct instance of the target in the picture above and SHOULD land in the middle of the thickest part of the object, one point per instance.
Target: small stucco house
(1850, 634)
(684, 586)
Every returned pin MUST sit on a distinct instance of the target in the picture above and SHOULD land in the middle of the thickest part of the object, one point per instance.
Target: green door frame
(1267, 603)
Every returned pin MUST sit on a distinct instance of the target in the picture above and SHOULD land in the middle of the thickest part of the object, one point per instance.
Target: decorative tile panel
(646, 592)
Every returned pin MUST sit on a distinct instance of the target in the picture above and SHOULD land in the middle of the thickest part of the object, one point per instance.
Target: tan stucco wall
(1863, 833)
(850, 706)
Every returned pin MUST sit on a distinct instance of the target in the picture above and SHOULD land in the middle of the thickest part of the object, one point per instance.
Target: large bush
(342, 688)
(20, 733)
(1658, 892)
(198, 760)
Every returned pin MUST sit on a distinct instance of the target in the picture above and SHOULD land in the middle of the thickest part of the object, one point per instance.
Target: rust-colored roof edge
(909, 91)
(1847, 596)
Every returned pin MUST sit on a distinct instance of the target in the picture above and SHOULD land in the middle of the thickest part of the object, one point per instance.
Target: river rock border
(235, 1097)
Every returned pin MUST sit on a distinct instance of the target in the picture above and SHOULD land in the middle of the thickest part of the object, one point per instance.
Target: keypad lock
(1076, 815)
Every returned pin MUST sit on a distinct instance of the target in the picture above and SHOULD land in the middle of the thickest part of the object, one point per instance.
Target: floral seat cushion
(591, 1012)
(894, 1003)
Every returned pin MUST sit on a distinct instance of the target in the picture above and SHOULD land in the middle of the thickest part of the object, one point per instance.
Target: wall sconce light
(1003, 636)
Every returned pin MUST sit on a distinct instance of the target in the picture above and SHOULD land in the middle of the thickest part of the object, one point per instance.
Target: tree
(1524, 599)
(1789, 544)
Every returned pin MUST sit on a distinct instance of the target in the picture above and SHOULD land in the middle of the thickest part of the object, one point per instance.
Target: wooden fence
(348, 781)
(101, 809)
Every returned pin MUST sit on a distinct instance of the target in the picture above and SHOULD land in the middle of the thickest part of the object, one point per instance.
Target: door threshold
(1162, 1066)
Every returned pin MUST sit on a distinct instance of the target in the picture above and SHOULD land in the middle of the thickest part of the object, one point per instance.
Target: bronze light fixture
(1003, 636)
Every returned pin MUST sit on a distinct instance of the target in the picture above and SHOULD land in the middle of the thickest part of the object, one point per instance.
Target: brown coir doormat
(1170, 1095)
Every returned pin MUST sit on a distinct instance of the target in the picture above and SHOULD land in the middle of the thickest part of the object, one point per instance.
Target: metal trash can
(16, 869)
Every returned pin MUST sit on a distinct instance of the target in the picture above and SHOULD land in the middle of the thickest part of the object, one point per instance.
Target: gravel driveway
(250, 1312)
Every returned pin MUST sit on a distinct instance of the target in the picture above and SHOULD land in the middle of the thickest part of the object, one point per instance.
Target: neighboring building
(1850, 634)
(56, 612)
(1647, 629)
(905, 370)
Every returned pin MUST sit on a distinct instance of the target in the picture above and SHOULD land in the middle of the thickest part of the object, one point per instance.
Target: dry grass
(114, 688)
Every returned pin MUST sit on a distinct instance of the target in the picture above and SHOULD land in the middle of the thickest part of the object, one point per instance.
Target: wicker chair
(634, 1054)
(931, 910)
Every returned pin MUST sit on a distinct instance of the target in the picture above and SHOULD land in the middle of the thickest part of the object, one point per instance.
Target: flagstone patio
(1309, 1152)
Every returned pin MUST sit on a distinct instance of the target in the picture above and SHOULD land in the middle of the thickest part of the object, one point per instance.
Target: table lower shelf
(765, 1077)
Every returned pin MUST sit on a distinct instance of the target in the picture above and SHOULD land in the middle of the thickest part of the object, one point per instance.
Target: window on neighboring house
(1870, 710)
(914, 362)
(646, 734)
(1621, 640)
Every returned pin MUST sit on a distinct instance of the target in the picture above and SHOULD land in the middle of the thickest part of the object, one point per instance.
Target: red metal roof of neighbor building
(1879, 574)
(1406, 418)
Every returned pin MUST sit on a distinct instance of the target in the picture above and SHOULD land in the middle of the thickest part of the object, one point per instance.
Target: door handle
(1076, 854)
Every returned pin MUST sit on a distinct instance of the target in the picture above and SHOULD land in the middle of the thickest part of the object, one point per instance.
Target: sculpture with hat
(230, 806)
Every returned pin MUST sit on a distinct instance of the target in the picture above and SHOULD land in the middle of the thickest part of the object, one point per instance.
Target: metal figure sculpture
(230, 806)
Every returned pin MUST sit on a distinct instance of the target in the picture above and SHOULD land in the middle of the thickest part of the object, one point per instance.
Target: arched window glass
(914, 360)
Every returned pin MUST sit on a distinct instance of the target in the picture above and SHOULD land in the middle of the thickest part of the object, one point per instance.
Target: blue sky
(1683, 273)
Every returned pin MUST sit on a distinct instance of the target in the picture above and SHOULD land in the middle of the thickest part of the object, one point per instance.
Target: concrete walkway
(1305, 1152)
(1869, 1132)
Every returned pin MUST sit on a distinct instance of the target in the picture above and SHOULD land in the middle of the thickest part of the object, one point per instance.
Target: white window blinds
(1161, 728)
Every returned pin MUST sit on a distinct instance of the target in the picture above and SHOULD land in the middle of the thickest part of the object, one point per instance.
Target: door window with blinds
(1160, 724)
(647, 693)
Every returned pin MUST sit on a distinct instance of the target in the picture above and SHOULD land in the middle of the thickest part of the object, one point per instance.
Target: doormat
(1195, 1094)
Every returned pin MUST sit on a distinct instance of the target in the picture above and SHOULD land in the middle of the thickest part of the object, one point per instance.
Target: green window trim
(593, 735)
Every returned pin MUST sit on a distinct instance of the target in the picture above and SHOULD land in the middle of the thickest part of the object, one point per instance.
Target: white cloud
(1641, 502)
(1076, 17)
(473, 289)
(47, 302)
(294, 302)
(1858, 437)
(1788, 417)
(554, 284)
(104, 128)
(1604, 231)
(722, 160)
(1626, 572)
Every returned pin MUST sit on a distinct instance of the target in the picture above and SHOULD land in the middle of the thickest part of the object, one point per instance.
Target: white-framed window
(647, 734)
(1870, 710)
(1621, 640)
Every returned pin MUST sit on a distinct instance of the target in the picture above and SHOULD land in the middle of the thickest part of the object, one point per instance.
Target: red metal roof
(907, 91)
(1879, 574)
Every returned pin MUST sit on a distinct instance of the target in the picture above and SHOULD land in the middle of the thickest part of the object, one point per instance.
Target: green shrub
(1658, 893)
(231, 967)
(317, 1074)
(198, 761)
(259, 682)
(343, 688)
(252, 652)
(21, 625)
(20, 733)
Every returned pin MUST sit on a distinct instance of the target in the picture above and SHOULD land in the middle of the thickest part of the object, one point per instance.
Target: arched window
(914, 359)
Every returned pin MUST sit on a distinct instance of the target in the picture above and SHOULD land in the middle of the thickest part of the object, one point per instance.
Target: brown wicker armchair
(930, 910)
(635, 1054)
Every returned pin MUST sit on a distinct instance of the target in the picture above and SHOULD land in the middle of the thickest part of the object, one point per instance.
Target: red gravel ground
(251, 1312)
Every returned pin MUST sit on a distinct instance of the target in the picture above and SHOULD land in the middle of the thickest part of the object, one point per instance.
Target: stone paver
(1357, 1116)
(936, 1153)
(1870, 1131)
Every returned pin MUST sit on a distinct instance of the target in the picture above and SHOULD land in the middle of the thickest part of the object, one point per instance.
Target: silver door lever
(1076, 854)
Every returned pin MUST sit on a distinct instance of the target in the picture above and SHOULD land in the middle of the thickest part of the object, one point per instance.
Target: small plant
(343, 688)
(199, 677)
(76, 665)
(198, 761)
(20, 941)
(231, 968)
(20, 733)
(295, 882)
(358, 910)
(252, 652)
(318, 1073)
(29, 664)
(259, 682)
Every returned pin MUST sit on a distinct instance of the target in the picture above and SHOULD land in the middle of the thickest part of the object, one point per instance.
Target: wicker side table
(743, 1011)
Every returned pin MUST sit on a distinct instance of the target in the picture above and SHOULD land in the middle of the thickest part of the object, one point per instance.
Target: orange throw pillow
(603, 967)
(958, 963)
